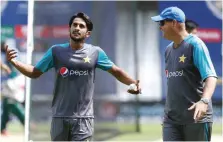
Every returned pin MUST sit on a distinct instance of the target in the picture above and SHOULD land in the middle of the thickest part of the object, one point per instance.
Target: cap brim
(157, 18)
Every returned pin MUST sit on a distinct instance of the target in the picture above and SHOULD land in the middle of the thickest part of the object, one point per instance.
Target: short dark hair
(83, 16)
(190, 25)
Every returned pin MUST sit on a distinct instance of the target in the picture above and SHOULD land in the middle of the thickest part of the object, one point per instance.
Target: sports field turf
(149, 132)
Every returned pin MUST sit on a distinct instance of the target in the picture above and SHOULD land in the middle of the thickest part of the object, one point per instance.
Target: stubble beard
(77, 40)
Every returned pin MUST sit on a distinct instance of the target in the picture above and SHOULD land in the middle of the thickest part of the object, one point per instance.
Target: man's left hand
(200, 110)
(137, 91)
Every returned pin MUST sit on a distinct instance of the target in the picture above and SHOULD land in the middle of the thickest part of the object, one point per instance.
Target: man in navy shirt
(191, 81)
(74, 63)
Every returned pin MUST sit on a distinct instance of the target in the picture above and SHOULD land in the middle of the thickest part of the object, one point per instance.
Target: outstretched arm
(121, 75)
(27, 70)
(104, 63)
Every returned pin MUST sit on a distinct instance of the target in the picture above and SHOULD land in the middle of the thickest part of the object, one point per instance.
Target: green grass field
(149, 132)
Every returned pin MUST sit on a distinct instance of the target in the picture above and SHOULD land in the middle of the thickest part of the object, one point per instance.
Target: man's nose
(77, 27)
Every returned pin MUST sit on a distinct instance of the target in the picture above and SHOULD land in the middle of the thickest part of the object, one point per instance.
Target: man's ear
(88, 33)
(69, 30)
(174, 23)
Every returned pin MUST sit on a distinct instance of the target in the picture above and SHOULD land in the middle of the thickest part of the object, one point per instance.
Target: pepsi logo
(64, 71)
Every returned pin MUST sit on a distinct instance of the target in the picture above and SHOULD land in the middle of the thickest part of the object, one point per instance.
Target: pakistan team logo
(215, 7)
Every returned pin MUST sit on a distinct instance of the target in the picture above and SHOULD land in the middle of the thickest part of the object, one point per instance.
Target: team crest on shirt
(182, 58)
(87, 59)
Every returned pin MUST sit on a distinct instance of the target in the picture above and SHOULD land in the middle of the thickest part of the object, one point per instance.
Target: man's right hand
(26, 69)
(10, 54)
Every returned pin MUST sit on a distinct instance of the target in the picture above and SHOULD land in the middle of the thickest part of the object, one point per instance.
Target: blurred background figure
(5, 68)
(12, 94)
(191, 26)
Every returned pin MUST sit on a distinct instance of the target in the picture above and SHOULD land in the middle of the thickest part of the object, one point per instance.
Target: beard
(77, 40)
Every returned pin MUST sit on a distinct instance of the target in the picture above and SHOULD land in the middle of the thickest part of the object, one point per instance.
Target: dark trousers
(10, 106)
(188, 132)
(71, 129)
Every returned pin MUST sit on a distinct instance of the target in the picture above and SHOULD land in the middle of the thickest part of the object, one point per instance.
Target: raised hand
(137, 90)
(10, 54)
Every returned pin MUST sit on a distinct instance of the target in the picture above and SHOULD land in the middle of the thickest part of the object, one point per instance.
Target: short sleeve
(103, 61)
(46, 62)
(202, 60)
